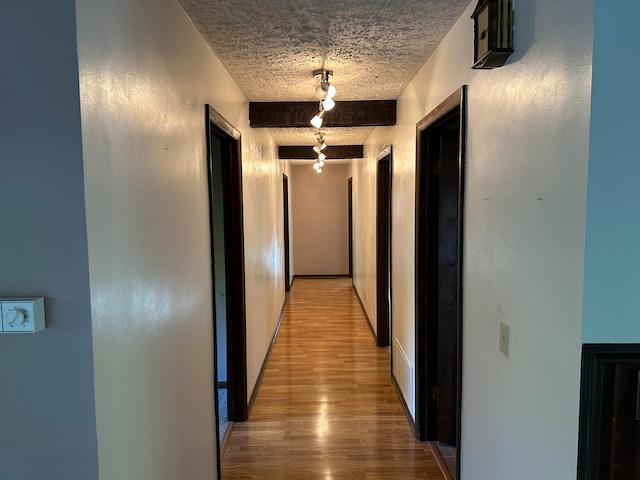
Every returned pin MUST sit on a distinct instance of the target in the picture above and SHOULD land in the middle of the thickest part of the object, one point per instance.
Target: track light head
(316, 121)
(324, 90)
(328, 103)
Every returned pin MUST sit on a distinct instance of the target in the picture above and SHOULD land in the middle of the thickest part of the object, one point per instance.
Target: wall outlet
(504, 338)
(22, 315)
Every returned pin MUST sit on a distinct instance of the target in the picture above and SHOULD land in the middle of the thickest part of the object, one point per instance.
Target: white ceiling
(374, 47)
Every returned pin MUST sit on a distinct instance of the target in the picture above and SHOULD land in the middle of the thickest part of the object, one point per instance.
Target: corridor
(326, 408)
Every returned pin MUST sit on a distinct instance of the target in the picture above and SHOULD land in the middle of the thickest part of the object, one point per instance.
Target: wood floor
(326, 408)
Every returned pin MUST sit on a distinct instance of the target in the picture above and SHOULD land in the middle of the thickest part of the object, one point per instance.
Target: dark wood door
(225, 169)
(438, 259)
(609, 440)
(383, 251)
(623, 423)
(350, 200)
(285, 208)
(447, 285)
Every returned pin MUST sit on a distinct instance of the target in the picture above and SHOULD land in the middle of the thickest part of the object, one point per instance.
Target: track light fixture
(327, 104)
(321, 144)
(316, 121)
(324, 90)
(319, 163)
(325, 93)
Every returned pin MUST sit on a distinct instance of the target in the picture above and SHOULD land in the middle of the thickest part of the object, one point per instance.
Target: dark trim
(596, 358)
(442, 464)
(327, 275)
(254, 394)
(448, 104)
(221, 123)
(285, 227)
(373, 332)
(217, 125)
(386, 151)
(405, 407)
(226, 439)
(457, 100)
(333, 152)
(222, 384)
(364, 113)
(383, 245)
(350, 222)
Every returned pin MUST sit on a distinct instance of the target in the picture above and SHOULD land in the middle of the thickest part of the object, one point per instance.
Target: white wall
(612, 262)
(524, 225)
(145, 76)
(320, 227)
(363, 173)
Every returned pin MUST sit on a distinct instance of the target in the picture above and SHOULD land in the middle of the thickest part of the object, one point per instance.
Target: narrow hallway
(326, 408)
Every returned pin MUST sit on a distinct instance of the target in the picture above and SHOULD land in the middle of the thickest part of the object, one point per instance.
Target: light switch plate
(504, 338)
(22, 314)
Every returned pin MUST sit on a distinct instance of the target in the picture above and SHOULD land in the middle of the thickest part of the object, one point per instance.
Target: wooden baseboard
(252, 400)
(405, 407)
(327, 275)
(225, 440)
(444, 468)
(373, 332)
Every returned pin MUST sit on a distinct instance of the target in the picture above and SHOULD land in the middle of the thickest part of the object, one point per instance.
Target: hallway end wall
(524, 224)
(319, 232)
(145, 77)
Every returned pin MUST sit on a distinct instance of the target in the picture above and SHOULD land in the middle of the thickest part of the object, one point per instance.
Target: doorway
(224, 166)
(350, 202)
(609, 439)
(439, 220)
(285, 209)
(383, 248)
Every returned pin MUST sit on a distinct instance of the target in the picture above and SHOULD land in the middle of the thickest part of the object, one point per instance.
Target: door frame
(384, 162)
(425, 422)
(594, 441)
(350, 203)
(217, 125)
(285, 212)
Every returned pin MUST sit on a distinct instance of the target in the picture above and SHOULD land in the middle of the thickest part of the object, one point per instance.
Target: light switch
(22, 315)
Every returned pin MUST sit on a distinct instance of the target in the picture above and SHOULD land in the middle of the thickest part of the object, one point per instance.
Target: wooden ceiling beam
(333, 152)
(365, 113)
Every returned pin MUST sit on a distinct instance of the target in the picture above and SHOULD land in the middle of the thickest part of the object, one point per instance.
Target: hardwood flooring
(326, 408)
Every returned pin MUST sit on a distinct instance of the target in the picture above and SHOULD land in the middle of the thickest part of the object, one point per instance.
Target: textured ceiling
(374, 47)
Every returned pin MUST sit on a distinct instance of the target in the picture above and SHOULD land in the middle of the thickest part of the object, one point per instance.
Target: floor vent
(403, 371)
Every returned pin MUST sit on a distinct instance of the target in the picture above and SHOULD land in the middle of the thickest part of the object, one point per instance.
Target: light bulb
(318, 170)
(321, 164)
(331, 91)
(317, 120)
(317, 149)
(321, 91)
(328, 104)
(321, 156)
